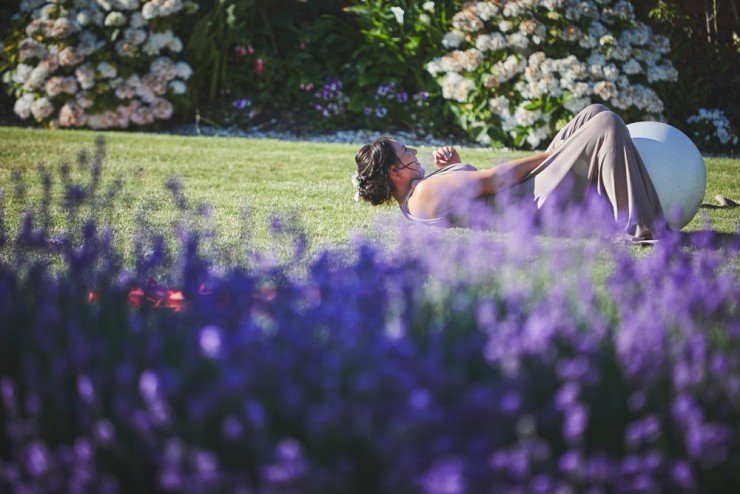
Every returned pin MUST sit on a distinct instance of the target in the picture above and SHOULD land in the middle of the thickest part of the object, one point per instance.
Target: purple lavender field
(524, 361)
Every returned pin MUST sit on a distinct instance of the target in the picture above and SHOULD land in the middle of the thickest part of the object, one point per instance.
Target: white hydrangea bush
(517, 70)
(96, 63)
(712, 130)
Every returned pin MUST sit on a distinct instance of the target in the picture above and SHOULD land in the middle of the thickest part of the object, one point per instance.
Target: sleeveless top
(441, 220)
(522, 190)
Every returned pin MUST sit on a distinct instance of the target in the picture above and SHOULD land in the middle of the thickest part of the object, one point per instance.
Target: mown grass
(308, 180)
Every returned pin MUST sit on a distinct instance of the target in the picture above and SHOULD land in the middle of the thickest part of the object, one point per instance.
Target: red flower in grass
(155, 295)
(175, 300)
(265, 294)
(135, 296)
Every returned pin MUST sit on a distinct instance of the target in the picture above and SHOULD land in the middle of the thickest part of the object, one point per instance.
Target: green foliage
(257, 59)
(394, 40)
(264, 51)
(393, 51)
(708, 65)
(213, 31)
(327, 64)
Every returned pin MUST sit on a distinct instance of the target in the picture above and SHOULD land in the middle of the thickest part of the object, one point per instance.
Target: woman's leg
(576, 123)
(597, 151)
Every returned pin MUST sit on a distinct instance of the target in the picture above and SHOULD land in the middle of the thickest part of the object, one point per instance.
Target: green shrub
(394, 41)
(334, 66)
(264, 52)
(706, 57)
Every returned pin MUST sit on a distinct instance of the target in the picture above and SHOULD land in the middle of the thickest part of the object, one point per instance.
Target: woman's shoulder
(431, 196)
(458, 167)
(421, 203)
(446, 174)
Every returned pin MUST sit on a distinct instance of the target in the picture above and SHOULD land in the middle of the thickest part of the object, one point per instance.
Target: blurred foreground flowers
(436, 362)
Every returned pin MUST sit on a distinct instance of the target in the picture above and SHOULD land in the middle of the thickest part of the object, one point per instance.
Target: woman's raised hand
(445, 156)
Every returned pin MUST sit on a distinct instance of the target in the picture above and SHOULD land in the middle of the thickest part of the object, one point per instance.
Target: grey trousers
(594, 151)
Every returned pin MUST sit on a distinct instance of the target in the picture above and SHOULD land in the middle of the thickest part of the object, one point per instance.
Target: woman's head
(381, 167)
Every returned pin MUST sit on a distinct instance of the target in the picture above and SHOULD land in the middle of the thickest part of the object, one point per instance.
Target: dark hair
(373, 162)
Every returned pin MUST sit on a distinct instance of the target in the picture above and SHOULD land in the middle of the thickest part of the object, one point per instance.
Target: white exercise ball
(676, 169)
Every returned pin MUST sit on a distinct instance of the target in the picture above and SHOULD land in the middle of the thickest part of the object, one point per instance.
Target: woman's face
(407, 161)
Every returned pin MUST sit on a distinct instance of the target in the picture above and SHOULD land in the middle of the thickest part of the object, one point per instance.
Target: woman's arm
(439, 194)
(509, 173)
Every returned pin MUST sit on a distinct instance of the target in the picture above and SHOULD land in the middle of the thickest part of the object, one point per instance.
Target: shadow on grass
(722, 203)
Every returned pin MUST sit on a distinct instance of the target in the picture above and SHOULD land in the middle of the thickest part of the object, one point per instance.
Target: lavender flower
(505, 365)
(241, 103)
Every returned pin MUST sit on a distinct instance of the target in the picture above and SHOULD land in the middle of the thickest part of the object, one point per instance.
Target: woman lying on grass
(593, 151)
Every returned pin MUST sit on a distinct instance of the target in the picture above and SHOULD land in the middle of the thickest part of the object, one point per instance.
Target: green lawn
(309, 179)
